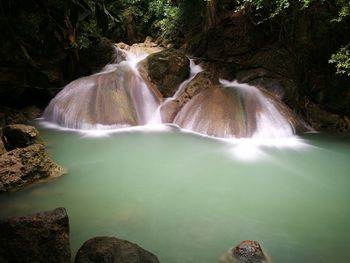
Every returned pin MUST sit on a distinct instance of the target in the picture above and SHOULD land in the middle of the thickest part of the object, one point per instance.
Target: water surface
(188, 198)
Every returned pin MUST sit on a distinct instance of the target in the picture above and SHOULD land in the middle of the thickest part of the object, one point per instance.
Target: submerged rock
(248, 251)
(19, 136)
(42, 237)
(23, 166)
(113, 250)
(165, 70)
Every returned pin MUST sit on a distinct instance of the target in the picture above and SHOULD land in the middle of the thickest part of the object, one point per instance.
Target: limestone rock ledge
(23, 166)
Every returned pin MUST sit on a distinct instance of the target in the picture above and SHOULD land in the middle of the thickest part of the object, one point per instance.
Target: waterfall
(118, 97)
(113, 98)
(236, 111)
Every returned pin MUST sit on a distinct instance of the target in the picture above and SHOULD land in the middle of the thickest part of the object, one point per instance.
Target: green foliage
(341, 60)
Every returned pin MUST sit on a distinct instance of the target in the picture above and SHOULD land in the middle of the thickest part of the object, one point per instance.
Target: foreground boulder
(19, 136)
(113, 250)
(42, 237)
(165, 70)
(24, 166)
(248, 251)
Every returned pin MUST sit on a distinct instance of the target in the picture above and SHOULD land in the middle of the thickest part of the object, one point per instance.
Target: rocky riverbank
(23, 158)
(44, 237)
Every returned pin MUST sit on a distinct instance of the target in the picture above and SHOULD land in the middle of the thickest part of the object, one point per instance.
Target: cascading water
(119, 97)
(115, 97)
(235, 111)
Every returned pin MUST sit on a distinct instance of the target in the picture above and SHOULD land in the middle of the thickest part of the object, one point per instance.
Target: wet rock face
(42, 237)
(19, 136)
(24, 166)
(165, 70)
(248, 251)
(113, 250)
(202, 81)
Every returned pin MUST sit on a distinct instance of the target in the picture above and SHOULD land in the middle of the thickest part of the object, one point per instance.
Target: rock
(23, 166)
(95, 56)
(137, 49)
(11, 116)
(283, 88)
(248, 251)
(42, 237)
(202, 81)
(321, 119)
(115, 97)
(113, 250)
(19, 136)
(165, 70)
(277, 60)
(2, 147)
(238, 111)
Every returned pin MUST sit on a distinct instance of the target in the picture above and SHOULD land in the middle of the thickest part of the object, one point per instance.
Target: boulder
(19, 136)
(238, 111)
(321, 119)
(23, 166)
(202, 81)
(282, 87)
(13, 116)
(248, 251)
(113, 250)
(165, 70)
(42, 237)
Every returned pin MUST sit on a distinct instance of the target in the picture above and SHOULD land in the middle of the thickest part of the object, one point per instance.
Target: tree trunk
(211, 19)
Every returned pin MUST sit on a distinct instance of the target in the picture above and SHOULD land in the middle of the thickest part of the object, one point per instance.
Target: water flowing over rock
(115, 97)
(110, 249)
(200, 81)
(237, 111)
(42, 237)
(131, 93)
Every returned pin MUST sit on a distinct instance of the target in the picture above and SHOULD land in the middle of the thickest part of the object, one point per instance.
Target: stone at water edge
(23, 166)
(248, 251)
(41, 238)
(112, 250)
(19, 136)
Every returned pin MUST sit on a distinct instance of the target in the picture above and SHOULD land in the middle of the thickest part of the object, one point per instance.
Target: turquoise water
(188, 199)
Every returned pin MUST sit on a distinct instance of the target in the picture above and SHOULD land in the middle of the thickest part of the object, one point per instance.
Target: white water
(117, 97)
(269, 120)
